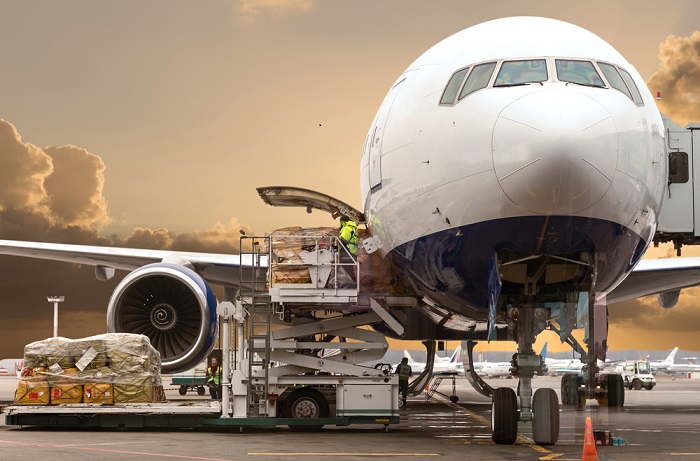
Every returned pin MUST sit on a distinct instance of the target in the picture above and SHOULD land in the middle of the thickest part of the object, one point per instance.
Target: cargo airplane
(513, 174)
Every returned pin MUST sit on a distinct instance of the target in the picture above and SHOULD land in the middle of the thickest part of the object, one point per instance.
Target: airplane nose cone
(554, 151)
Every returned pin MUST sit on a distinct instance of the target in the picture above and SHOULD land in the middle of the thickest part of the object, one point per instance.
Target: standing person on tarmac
(214, 379)
(404, 371)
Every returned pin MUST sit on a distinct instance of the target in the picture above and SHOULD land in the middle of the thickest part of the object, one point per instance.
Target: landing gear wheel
(569, 389)
(182, 390)
(636, 384)
(504, 416)
(306, 403)
(201, 390)
(616, 390)
(545, 417)
(454, 399)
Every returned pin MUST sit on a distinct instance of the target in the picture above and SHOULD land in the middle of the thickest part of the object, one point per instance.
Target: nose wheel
(545, 417)
(504, 416)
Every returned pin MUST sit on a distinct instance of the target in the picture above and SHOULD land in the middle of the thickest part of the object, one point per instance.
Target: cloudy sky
(150, 123)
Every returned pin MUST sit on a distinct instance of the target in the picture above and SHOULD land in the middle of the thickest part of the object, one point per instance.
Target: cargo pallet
(163, 415)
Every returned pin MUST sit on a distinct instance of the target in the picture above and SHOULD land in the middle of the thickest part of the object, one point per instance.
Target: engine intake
(172, 305)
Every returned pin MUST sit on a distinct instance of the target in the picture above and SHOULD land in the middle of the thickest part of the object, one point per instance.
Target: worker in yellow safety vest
(214, 379)
(404, 371)
(348, 234)
(348, 254)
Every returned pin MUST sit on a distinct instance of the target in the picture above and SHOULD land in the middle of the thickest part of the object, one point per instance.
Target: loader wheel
(306, 403)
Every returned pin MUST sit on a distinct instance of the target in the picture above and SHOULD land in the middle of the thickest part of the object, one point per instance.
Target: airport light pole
(55, 300)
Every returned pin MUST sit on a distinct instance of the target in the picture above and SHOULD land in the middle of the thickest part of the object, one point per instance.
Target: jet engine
(668, 299)
(172, 305)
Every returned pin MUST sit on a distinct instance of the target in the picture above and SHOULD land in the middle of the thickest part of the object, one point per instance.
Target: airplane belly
(451, 267)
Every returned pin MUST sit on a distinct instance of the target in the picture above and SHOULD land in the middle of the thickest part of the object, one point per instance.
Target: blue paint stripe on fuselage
(452, 267)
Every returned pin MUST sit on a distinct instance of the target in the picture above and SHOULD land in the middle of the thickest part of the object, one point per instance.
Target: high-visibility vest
(404, 371)
(214, 377)
(348, 234)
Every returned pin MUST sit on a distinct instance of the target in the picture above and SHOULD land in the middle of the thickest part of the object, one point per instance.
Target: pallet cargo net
(105, 369)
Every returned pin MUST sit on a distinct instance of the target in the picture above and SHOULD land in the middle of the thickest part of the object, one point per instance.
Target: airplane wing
(652, 276)
(216, 268)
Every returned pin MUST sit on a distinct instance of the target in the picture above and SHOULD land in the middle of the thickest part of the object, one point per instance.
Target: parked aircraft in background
(561, 366)
(689, 367)
(496, 369)
(501, 369)
(441, 365)
(663, 365)
(12, 366)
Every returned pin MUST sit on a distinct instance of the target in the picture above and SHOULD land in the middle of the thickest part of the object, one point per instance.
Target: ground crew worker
(214, 379)
(350, 239)
(348, 234)
(404, 371)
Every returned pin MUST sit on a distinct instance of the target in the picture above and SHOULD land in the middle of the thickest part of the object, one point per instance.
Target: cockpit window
(636, 95)
(478, 78)
(448, 96)
(521, 72)
(614, 78)
(579, 72)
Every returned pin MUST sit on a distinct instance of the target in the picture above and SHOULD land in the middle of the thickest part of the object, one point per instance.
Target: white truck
(636, 374)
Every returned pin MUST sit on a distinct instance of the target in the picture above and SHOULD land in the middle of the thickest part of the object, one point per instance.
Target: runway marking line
(521, 439)
(552, 456)
(104, 450)
(281, 453)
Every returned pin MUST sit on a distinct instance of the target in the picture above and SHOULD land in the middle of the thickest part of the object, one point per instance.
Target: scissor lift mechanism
(280, 355)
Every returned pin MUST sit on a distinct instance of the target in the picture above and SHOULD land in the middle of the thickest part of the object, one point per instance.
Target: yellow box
(66, 393)
(102, 393)
(32, 392)
(130, 393)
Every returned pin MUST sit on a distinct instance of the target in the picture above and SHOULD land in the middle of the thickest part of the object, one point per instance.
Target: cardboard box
(101, 393)
(66, 393)
(32, 392)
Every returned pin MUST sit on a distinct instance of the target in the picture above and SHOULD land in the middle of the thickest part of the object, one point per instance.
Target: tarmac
(655, 425)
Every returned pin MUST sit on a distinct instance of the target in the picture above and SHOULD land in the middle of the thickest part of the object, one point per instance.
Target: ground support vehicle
(636, 374)
(291, 355)
(195, 379)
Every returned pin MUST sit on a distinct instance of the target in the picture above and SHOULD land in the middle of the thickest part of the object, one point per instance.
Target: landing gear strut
(542, 409)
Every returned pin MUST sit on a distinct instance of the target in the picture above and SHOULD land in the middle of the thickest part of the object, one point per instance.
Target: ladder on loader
(255, 299)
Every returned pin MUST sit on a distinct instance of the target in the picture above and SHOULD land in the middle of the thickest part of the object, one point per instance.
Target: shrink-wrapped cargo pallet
(290, 244)
(103, 369)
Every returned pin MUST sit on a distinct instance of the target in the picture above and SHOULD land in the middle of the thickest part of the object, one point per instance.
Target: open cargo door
(309, 199)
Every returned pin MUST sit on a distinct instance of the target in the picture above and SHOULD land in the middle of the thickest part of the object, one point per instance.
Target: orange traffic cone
(589, 451)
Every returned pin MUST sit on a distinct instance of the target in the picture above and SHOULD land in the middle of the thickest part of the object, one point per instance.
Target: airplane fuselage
(550, 161)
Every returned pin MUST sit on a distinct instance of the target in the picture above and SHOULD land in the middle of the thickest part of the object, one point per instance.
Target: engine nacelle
(668, 299)
(172, 305)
